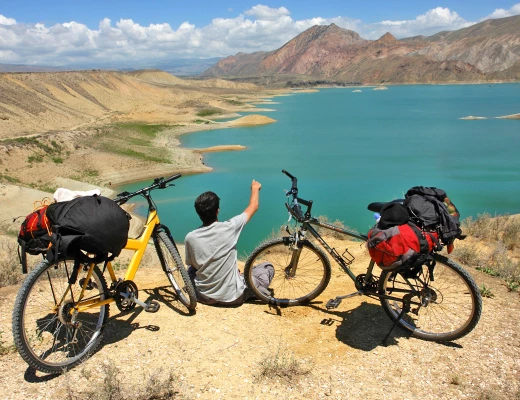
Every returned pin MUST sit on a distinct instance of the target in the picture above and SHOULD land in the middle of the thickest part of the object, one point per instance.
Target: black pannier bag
(432, 210)
(94, 225)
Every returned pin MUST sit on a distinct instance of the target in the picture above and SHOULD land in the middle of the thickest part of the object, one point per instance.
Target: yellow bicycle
(57, 325)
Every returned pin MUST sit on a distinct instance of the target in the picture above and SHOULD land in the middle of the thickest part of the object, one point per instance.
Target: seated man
(212, 256)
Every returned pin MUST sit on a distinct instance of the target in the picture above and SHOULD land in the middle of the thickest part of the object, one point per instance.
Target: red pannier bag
(400, 245)
(34, 236)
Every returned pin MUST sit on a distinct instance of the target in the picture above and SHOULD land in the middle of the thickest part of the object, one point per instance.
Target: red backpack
(35, 234)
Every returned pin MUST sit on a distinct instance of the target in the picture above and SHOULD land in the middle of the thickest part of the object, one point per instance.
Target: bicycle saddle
(376, 207)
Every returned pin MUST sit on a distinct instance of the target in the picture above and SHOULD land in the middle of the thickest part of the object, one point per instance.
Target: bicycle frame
(307, 222)
(138, 245)
(343, 263)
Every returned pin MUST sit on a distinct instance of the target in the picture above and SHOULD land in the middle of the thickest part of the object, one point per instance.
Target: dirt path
(221, 353)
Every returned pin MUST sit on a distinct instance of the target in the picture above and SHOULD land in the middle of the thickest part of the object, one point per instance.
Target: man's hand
(255, 185)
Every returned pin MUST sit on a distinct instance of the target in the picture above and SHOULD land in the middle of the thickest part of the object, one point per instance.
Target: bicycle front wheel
(49, 332)
(298, 278)
(173, 267)
(444, 306)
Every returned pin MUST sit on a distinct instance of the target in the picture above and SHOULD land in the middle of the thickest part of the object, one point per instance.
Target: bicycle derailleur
(126, 297)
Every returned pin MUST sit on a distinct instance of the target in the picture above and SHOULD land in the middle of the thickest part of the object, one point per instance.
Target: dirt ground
(218, 353)
(222, 353)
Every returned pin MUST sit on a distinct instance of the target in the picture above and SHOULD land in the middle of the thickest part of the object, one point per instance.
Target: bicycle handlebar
(295, 209)
(158, 183)
(294, 181)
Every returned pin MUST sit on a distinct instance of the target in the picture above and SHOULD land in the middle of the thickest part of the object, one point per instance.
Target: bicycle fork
(290, 270)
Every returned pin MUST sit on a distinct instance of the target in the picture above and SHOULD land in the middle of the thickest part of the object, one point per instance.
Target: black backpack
(432, 210)
(92, 224)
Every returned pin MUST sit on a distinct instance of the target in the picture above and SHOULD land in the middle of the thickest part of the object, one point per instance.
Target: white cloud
(266, 13)
(433, 21)
(6, 21)
(127, 43)
(501, 13)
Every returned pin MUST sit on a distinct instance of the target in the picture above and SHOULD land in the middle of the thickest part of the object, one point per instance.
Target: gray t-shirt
(211, 250)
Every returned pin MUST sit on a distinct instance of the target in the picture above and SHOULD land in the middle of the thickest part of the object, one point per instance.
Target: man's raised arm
(253, 201)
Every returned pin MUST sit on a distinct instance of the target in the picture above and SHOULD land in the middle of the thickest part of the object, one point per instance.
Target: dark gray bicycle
(436, 301)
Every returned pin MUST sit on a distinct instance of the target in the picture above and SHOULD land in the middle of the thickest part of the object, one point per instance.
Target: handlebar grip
(294, 181)
(287, 173)
(171, 178)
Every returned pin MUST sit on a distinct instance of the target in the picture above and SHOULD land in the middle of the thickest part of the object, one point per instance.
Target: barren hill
(489, 50)
(38, 102)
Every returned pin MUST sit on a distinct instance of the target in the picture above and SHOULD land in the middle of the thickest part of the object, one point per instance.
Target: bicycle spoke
(310, 274)
(450, 305)
(51, 336)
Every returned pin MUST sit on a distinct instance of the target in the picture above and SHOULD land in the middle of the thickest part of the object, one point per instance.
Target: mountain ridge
(487, 51)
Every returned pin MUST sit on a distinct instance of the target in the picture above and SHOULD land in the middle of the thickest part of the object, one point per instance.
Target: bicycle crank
(126, 297)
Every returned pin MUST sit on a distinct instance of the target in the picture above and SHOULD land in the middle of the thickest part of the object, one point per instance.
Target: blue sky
(58, 32)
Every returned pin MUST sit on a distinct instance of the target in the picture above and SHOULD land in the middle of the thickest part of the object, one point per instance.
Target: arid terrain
(258, 352)
(99, 129)
(106, 127)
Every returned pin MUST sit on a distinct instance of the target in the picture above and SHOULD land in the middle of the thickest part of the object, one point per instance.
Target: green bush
(35, 158)
(206, 112)
(486, 291)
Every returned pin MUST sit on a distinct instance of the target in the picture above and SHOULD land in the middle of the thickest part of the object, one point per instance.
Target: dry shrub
(503, 228)
(506, 267)
(498, 242)
(467, 255)
(280, 364)
(511, 234)
(10, 269)
(158, 386)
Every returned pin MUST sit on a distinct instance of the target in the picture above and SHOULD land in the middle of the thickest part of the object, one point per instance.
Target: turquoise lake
(349, 149)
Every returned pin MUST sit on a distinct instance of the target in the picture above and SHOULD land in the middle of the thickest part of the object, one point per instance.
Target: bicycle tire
(42, 330)
(454, 307)
(173, 267)
(312, 274)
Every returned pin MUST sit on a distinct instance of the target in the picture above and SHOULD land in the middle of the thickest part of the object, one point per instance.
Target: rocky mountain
(486, 51)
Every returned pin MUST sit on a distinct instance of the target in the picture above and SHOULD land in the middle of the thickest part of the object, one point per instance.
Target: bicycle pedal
(333, 303)
(152, 307)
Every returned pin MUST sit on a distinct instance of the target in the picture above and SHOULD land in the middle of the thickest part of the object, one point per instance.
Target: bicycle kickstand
(406, 308)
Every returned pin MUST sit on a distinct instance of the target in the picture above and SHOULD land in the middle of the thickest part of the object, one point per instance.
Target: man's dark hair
(207, 205)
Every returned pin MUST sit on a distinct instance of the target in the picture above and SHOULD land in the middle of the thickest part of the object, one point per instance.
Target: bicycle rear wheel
(173, 267)
(445, 306)
(290, 286)
(48, 332)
